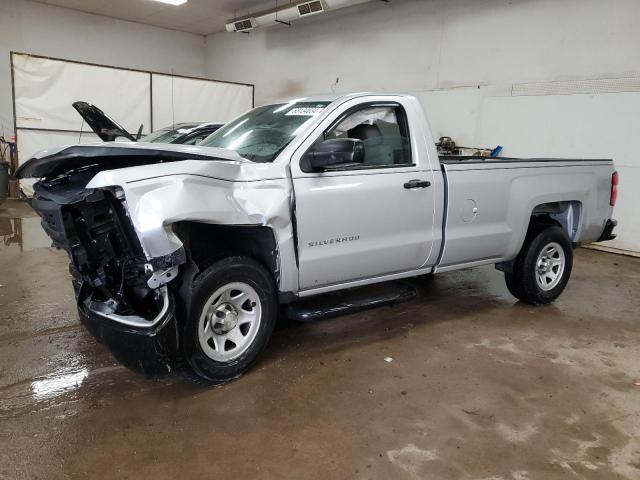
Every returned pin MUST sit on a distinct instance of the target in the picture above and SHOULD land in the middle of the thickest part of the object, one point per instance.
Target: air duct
(243, 25)
(287, 13)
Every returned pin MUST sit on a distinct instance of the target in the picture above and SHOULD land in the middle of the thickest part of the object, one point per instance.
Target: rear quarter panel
(504, 194)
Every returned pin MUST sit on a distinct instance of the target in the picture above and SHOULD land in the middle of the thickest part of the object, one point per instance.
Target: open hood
(114, 155)
(105, 127)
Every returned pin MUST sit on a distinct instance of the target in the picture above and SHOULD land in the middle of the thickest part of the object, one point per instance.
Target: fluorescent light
(172, 2)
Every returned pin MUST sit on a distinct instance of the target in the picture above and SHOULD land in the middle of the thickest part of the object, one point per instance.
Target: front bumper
(149, 349)
(607, 233)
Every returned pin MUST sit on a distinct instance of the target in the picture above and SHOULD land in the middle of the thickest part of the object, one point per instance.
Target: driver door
(367, 220)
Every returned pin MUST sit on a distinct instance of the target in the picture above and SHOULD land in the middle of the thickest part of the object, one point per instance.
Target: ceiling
(196, 16)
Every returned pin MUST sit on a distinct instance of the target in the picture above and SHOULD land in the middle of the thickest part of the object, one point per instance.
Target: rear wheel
(232, 316)
(542, 268)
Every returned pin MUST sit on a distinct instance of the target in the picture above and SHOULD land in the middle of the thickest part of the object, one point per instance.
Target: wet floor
(478, 386)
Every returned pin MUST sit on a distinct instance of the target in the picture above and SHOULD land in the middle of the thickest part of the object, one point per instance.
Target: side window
(383, 130)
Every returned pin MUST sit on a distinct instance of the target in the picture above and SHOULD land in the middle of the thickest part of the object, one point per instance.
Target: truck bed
(489, 201)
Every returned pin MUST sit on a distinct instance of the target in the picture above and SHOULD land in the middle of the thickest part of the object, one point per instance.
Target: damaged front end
(128, 216)
(122, 296)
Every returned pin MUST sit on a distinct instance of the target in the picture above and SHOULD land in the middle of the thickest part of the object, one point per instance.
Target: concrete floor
(480, 387)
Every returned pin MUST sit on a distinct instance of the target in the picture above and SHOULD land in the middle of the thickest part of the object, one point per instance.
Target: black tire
(513, 285)
(204, 370)
(522, 281)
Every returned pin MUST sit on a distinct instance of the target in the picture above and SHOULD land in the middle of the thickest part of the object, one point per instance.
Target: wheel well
(207, 243)
(566, 214)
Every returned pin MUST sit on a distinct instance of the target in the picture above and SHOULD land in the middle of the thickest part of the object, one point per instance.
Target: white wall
(467, 60)
(417, 45)
(41, 29)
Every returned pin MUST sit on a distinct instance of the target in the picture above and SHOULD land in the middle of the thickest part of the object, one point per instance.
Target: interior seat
(364, 132)
(376, 152)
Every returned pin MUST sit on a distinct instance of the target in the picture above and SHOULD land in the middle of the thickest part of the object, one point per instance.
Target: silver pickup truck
(182, 255)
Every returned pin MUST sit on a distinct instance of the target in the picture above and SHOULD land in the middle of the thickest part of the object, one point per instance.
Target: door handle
(417, 184)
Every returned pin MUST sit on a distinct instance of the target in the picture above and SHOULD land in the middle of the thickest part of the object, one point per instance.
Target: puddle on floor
(22, 234)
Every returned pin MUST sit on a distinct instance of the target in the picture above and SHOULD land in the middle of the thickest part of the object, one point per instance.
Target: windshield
(261, 134)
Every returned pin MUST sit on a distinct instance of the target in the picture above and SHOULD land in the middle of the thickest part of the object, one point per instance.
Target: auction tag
(305, 111)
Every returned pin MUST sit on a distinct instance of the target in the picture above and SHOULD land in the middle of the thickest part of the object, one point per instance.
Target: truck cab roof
(332, 97)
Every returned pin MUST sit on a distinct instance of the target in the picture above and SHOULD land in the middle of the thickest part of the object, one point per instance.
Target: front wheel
(542, 268)
(232, 316)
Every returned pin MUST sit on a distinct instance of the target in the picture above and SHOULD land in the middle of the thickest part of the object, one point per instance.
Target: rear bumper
(149, 350)
(607, 233)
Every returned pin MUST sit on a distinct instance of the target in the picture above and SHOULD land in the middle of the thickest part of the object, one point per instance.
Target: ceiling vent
(243, 25)
(311, 8)
(286, 14)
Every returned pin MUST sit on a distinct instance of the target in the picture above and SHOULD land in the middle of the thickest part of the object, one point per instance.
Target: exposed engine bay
(108, 264)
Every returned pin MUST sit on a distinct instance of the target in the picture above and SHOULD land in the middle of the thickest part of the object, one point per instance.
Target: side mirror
(335, 152)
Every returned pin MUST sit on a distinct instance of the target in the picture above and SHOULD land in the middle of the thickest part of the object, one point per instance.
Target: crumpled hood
(114, 155)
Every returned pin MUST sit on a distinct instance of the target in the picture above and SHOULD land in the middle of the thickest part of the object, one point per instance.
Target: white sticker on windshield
(304, 111)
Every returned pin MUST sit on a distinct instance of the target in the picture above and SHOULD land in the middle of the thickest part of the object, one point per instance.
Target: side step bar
(345, 302)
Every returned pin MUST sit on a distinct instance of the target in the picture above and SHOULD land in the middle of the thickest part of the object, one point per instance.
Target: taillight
(614, 189)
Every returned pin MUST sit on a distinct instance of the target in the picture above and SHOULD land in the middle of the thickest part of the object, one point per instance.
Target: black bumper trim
(607, 233)
(149, 351)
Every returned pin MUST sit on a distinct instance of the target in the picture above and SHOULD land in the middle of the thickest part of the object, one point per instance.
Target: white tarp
(45, 90)
(31, 142)
(178, 99)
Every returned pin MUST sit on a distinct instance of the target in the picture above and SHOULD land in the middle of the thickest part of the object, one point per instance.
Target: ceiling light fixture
(172, 2)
